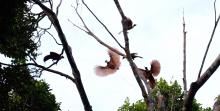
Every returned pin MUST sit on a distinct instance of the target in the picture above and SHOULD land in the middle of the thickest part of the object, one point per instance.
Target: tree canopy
(16, 30)
(168, 97)
(18, 89)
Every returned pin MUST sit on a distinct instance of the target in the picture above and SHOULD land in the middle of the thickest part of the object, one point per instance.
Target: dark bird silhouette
(134, 55)
(53, 56)
(128, 23)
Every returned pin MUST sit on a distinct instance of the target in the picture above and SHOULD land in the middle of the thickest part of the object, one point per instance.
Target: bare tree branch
(215, 10)
(102, 24)
(51, 4)
(207, 49)
(195, 86)
(58, 6)
(44, 68)
(77, 26)
(89, 32)
(53, 37)
(129, 58)
(32, 59)
(119, 9)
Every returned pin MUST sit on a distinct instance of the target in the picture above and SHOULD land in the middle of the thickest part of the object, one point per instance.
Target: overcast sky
(158, 35)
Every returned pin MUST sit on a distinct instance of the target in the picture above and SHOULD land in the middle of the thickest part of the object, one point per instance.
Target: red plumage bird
(112, 65)
(148, 75)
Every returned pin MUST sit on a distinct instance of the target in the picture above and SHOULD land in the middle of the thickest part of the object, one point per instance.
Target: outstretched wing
(112, 65)
(104, 71)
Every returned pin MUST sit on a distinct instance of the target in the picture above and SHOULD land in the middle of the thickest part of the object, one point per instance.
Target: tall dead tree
(184, 58)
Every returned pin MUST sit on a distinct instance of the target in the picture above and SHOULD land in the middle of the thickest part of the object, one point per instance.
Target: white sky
(158, 35)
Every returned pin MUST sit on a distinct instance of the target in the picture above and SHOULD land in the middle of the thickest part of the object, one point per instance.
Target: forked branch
(89, 32)
(210, 41)
(195, 86)
(102, 23)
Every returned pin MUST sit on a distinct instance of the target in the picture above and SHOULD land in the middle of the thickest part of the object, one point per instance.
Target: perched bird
(148, 75)
(112, 65)
(53, 56)
(133, 56)
(128, 24)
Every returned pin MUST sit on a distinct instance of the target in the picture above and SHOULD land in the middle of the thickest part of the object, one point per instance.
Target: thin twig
(32, 59)
(77, 26)
(51, 4)
(207, 49)
(58, 6)
(53, 37)
(89, 32)
(102, 24)
(215, 10)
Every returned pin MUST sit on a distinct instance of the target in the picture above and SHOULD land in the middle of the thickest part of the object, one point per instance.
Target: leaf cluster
(140, 105)
(173, 99)
(16, 29)
(173, 96)
(20, 92)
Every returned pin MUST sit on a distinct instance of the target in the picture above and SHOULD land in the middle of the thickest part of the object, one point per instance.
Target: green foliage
(172, 94)
(172, 97)
(197, 107)
(20, 92)
(45, 101)
(138, 106)
(16, 29)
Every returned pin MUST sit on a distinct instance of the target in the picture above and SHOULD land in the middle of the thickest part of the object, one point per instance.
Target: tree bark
(195, 86)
